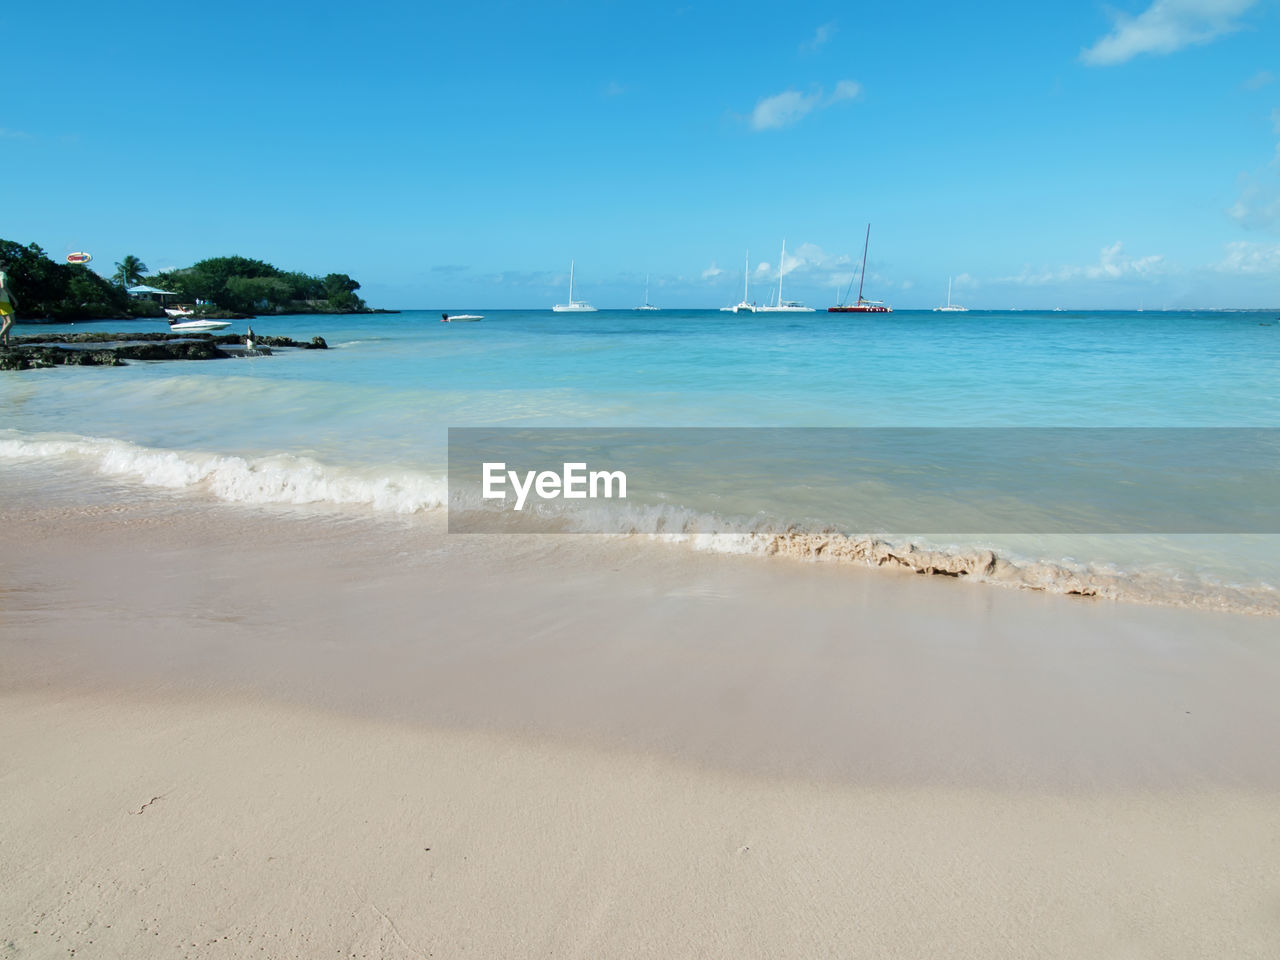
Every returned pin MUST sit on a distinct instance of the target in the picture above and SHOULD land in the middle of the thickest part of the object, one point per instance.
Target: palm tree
(129, 271)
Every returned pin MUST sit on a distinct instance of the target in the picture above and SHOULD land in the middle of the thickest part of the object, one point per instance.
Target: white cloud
(14, 134)
(1257, 206)
(790, 106)
(809, 264)
(1166, 27)
(614, 89)
(820, 37)
(712, 272)
(1113, 264)
(845, 90)
(1250, 258)
(1259, 80)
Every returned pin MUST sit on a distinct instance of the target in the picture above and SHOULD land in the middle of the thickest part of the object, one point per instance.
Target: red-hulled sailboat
(862, 306)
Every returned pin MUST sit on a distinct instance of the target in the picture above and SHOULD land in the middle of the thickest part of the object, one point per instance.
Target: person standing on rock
(8, 306)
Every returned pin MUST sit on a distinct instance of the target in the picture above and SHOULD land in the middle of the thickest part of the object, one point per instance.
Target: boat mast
(948, 291)
(570, 282)
(865, 244)
(746, 273)
(782, 260)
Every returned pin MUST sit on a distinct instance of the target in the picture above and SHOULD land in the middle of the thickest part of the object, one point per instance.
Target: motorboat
(197, 326)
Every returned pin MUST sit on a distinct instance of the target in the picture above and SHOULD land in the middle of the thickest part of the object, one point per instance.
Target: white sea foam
(294, 479)
(280, 478)
(971, 561)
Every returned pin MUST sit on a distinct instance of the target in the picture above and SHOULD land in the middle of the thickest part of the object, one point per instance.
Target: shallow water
(365, 422)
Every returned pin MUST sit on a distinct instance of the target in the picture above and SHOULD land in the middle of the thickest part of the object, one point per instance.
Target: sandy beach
(235, 731)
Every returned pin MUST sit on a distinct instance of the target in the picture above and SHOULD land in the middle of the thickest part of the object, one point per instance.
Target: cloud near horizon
(791, 106)
(1113, 264)
(1166, 26)
(1250, 258)
(1258, 205)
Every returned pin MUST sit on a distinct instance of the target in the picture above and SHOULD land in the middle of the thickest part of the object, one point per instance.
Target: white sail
(573, 306)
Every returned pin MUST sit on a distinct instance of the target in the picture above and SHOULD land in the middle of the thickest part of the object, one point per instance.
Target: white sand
(611, 749)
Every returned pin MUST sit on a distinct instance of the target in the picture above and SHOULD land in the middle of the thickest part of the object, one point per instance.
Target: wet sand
(231, 728)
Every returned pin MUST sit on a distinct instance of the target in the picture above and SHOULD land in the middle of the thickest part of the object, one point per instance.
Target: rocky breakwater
(115, 349)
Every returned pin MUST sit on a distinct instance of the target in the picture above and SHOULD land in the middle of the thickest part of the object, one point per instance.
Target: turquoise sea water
(366, 421)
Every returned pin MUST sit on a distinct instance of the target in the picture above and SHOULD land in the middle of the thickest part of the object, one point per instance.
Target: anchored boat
(861, 306)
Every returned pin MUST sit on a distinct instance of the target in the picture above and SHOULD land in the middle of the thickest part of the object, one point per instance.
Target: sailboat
(785, 306)
(862, 306)
(744, 306)
(950, 307)
(573, 306)
(647, 304)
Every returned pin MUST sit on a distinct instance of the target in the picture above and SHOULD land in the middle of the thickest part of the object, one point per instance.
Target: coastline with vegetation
(231, 287)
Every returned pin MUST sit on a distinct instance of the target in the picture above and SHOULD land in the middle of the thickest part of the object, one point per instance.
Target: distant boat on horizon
(785, 306)
(647, 304)
(744, 306)
(862, 306)
(950, 307)
(573, 306)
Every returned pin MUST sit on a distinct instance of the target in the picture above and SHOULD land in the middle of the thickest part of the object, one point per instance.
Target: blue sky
(1047, 154)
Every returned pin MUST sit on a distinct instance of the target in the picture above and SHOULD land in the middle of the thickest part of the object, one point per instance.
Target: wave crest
(279, 478)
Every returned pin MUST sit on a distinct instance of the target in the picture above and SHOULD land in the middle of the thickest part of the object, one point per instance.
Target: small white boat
(197, 326)
(647, 304)
(785, 306)
(744, 306)
(573, 306)
(460, 317)
(179, 312)
(950, 307)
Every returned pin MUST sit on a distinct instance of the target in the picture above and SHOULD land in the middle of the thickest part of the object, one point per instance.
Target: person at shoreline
(8, 306)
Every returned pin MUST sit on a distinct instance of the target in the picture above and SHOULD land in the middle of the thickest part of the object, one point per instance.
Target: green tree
(129, 271)
(340, 290)
(253, 294)
(58, 290)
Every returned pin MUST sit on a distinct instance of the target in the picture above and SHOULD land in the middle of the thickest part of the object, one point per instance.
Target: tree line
(48, 289)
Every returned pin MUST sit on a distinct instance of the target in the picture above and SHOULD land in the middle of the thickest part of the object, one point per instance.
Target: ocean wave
(278, 478)
(973, 562)
(296, 479)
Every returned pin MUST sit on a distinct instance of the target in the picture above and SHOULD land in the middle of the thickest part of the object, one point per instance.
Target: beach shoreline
(234, 727)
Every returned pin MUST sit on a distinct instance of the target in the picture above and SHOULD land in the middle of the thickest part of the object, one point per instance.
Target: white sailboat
(647, 304)
(573, 306)
(745, 306)
(950, 307)
(785, 306)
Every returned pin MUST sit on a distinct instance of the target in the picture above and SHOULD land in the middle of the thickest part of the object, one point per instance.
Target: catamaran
(745, 306)
(862, 306)
(950, 307)
(785, 306)
(573, 306)
(647, 304)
